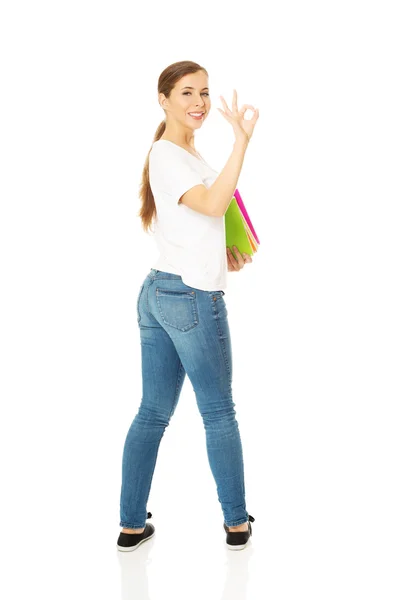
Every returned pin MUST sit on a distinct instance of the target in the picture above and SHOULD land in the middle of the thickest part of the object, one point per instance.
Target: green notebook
(239, 230)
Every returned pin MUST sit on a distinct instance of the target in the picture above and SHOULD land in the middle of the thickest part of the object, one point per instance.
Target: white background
(314, 319)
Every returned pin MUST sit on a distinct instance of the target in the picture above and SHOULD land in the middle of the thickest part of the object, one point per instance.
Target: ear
(162, 100)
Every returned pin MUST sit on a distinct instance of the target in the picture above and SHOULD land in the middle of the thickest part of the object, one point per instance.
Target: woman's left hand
(236, 261)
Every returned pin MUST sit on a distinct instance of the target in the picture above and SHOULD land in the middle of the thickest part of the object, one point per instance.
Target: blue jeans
(183, 330)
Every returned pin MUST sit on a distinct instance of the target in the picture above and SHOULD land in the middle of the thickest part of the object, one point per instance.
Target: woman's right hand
(243, 128)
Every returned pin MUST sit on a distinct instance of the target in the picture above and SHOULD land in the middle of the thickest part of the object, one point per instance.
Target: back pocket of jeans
(178, 309)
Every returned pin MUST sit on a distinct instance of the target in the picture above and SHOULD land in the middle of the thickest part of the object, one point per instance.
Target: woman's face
(189, 97)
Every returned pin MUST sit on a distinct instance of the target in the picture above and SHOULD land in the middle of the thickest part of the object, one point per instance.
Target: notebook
(239, 230)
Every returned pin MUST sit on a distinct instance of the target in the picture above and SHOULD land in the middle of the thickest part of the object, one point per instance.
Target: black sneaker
(237, 540)
(130, 541)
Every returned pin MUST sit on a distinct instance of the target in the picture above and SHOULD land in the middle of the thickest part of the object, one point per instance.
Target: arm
(215, 200)
(220, 193)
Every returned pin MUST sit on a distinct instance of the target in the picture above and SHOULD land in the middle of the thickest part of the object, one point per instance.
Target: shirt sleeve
(171, 173)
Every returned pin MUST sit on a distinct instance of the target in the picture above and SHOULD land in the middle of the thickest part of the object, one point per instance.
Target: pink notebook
(244, 213)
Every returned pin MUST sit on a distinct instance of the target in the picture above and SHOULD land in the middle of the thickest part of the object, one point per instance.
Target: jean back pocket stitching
(190, 295)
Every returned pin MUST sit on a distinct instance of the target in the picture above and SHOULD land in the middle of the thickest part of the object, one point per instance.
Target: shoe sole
(131, 548)
(237, 546)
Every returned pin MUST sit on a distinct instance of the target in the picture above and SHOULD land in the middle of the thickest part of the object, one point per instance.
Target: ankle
(241, 527)
(127, 530)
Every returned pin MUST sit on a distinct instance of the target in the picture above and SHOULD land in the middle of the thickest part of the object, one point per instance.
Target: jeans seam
(238, 522)
(147, 294)
(180, 370)
(222, 340)
(126, 525)
(139, 316)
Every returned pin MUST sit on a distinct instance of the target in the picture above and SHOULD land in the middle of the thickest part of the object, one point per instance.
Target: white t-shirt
(191, 244)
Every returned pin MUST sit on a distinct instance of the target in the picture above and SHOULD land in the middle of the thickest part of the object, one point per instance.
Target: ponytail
(148, 208)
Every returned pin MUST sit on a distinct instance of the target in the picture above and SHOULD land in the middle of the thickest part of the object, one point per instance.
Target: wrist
(241, 141)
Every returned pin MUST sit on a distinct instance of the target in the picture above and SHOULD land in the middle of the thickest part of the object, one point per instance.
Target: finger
(233, 260)
(246, 107)
(231, 266)
(255, 116)
(226, 107)
(224, 114)
(228, 262)
(239, 257)
(227, 117)
(231, 256)
(247, 258)
(234, 101)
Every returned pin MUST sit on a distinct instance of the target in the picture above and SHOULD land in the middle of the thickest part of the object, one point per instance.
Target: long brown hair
(166, 82)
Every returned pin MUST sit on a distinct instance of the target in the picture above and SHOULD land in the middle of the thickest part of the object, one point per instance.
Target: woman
(181, 311)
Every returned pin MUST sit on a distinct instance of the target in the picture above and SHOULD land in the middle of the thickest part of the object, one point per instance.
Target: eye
(206, 93)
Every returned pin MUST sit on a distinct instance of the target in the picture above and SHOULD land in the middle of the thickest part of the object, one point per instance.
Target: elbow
(214, 207)
(216, 211)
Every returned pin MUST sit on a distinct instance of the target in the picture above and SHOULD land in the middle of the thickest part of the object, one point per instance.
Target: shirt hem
(205, 285)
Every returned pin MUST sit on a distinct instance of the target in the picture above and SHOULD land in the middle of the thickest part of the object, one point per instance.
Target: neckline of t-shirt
(187, 152)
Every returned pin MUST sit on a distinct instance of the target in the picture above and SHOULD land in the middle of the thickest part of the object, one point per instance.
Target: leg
(162, 379)
(196, 321)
